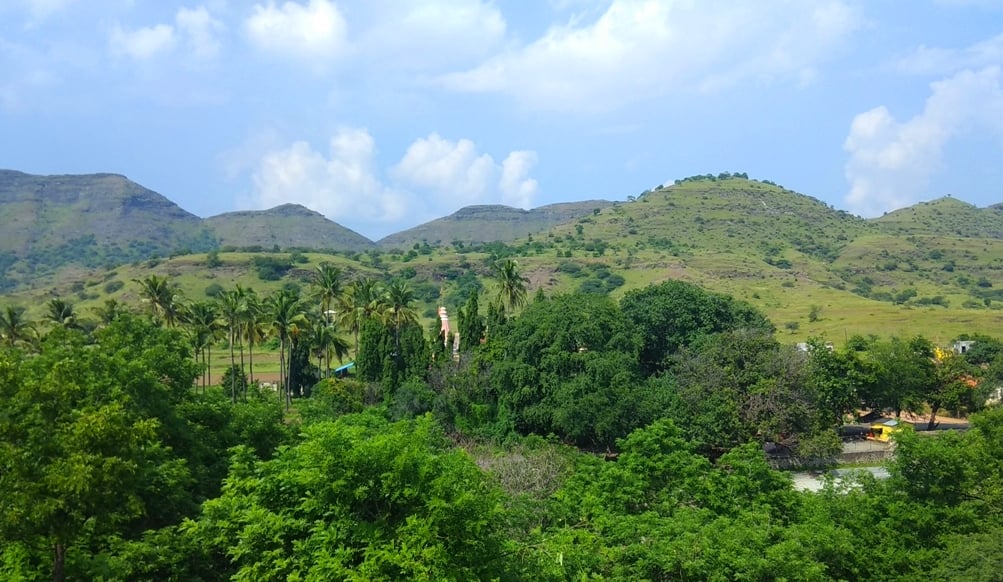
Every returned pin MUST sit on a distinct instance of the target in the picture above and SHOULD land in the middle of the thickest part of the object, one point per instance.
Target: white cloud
(942, 61)
(458, 175)
(432, 35)
(447, 168)
(434, 177)
(143, 43)
(639, 49)
(194, 27)
(517, 188)
(313, 31)
(200, 30)
(341, 185)
(891, 162)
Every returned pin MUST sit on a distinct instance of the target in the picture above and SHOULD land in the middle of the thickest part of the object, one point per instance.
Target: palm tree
(204, 324)
(325, 343)
(14, 327)
(328, 287)
(511, 283)
(285, 315)
(398, 311)
(358, 305)
(60, 313)
(252, 329)
(162, 297)
(231, 308)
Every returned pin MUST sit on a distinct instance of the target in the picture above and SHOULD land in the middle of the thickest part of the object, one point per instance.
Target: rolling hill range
(55, 225)
(935, 269)
(492, 222)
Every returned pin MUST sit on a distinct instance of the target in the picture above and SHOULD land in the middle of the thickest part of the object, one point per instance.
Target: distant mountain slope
(50, 221)
(492, 222)
(944, 217)
(288, 225)
(48, 210)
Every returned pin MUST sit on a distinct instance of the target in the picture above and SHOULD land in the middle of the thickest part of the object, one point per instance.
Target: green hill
(811, 268)
(944, 217)
(288, 225)
(52, 221)
(491, 222)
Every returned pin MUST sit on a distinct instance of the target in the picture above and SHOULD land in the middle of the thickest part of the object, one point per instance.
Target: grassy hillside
(288, 225)
(812, 269)
(944, 217)
(493, 222)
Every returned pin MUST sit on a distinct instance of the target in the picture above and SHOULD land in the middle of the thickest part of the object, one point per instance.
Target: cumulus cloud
(891, 162)
(341, 184)
(311, 31)
(459, 175)
(517, 188)
(435, 176)
(640, 49)
(194, 28)
(448, 168)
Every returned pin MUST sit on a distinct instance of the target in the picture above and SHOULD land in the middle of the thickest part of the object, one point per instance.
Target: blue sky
(383, 114)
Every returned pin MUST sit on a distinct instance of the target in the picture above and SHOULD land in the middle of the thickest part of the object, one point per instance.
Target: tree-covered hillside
(559, 437)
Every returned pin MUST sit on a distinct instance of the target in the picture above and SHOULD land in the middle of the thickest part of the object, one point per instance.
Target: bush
(271, 268)
(113, 286)
(234, 381)
(212, 259)
(333, 397)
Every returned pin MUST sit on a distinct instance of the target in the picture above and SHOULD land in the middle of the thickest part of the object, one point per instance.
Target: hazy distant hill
(50, 221)
(288, 225)
(492, 222)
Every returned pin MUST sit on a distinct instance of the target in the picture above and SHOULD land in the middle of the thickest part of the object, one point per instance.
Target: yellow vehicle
(883, 431)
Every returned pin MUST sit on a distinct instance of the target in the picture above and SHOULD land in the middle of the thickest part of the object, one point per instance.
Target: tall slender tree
(328, 287)
(285, 315)
(241, 320)
(398, 311)
(471, 324)
(359, 304)
(202, 318)
(231, 304)
(253, 329)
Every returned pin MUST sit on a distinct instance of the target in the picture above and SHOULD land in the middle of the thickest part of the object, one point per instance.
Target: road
(814, 481)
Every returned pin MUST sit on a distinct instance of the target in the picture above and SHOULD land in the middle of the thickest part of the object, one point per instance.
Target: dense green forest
(568, 437)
